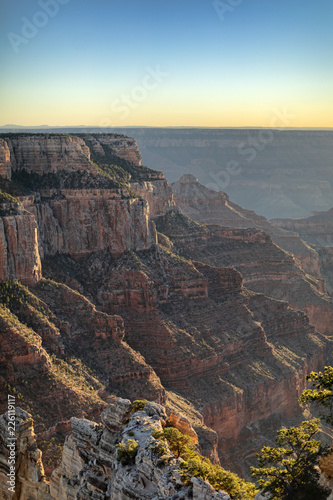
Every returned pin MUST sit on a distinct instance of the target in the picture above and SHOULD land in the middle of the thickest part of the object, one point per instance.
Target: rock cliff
(5, 165)
(316, 229)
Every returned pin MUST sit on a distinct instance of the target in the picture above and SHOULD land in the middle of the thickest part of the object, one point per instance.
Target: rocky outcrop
(78, 207)
(118, 145)
(243, 356)
(158, 195)
(90, 465)
(90, 469)
(19, 253)
(47, 153)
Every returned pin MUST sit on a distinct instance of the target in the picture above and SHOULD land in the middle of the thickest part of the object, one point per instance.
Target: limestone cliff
(28, 480)
(5, 165)
(79, 206)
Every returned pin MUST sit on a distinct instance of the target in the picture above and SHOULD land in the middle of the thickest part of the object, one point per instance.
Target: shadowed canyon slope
(147, 317)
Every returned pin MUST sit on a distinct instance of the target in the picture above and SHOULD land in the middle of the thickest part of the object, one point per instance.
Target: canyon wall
(172, 317)
(243, 356)
(5, 165)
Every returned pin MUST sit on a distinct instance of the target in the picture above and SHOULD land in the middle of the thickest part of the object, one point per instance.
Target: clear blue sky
(164, 63)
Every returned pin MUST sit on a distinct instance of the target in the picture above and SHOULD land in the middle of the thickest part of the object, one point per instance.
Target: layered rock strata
(27, 480)
(5, 165)
(265, 267)
(238, 355)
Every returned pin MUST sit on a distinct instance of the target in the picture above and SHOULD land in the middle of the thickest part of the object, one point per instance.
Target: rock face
(89, 467)
(19, 253)
(242, 355)
(45, 154)
(158, 194)
(78, 222)
(119, 145)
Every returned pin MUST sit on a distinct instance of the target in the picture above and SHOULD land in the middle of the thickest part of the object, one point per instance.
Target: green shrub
(138, 404)
(126, 452)
(159, 449)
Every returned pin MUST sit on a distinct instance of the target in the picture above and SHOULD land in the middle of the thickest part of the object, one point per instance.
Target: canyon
(121, 293)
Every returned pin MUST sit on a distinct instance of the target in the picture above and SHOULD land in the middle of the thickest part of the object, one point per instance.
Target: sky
(203, 63)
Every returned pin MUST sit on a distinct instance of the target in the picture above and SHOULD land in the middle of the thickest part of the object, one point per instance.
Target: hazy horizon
(216, 64)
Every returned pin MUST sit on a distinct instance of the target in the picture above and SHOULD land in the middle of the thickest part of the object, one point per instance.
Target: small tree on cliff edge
(321, 394)
(289, 472)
